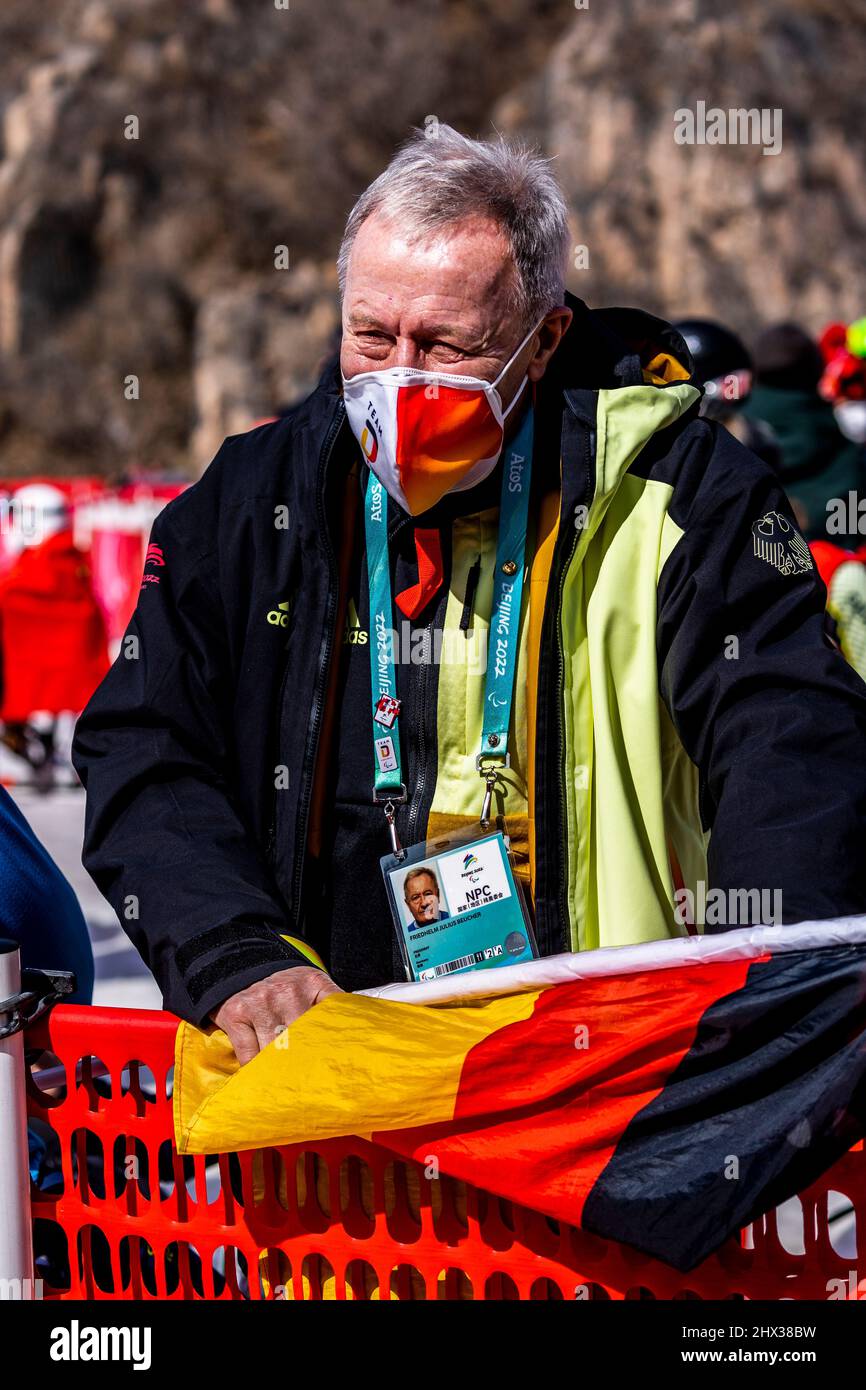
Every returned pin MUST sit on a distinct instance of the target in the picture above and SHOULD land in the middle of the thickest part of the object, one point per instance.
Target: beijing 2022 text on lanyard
(455, 901)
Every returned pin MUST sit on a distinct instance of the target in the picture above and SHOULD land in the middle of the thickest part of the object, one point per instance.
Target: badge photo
(456, 906)
(423, 900)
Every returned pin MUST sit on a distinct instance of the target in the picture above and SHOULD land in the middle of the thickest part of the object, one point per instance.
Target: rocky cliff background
(145, 311)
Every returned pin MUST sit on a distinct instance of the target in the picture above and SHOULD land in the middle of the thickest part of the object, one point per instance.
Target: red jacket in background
(52, 633)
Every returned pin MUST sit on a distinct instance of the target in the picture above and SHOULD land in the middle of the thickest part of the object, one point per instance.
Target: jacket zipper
(314, 727)
(270, 848)
(421, 776)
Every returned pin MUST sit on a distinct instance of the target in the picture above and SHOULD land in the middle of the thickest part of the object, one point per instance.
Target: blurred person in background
(53, 645)
(818, 463)
(842, 562)
(724, 368)
(844, 574)
(843, 383)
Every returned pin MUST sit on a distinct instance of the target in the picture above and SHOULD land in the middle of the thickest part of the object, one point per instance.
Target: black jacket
(217, 703)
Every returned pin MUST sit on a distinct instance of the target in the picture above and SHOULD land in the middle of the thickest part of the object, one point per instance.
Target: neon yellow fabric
(619, 758)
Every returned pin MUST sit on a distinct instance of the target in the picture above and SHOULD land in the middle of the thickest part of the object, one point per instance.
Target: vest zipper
(472, 579)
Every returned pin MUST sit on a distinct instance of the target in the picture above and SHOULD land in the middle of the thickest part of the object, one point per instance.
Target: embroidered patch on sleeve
(777, 542)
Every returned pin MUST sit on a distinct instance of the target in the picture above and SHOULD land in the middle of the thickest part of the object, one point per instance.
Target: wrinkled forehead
(464, 268)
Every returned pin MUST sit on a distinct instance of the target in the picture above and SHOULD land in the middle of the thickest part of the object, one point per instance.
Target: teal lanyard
(502, 648)
(388, 782)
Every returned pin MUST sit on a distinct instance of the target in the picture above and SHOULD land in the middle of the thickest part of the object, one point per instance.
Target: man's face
(422, 895)
(441, 304)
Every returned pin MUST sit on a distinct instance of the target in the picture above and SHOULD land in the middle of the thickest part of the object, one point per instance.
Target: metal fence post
(16, 1239)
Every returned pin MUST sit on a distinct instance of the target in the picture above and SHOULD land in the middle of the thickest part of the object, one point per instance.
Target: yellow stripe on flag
(349, 1065)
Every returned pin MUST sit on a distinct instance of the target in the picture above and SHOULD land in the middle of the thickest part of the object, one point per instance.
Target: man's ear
(550, 334)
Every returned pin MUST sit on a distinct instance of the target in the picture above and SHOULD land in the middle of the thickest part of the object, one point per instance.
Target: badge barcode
(459, 964)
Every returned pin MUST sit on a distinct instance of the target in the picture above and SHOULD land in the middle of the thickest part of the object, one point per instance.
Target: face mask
(851, 419)
(425, 434)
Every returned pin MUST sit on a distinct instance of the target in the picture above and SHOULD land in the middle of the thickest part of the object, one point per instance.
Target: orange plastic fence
(135, 1220)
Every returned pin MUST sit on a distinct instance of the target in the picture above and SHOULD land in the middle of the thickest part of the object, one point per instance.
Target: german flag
(663, 1095)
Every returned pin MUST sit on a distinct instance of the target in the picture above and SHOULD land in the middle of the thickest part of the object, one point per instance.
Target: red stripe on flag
(599, 1051)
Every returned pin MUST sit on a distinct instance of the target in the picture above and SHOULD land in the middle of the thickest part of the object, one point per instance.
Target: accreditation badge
(457, 906)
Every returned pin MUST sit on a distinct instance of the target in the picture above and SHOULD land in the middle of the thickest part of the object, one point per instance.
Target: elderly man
(675, 714)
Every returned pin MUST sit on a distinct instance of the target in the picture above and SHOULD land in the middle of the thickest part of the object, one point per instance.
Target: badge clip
(389, 799)
(490, 774)
(391, 817)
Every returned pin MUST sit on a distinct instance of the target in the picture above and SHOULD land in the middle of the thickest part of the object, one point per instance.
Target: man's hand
(258, 1014)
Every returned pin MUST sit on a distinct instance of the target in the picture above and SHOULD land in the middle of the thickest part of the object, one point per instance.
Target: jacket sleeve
(765, 705)
(163, 837)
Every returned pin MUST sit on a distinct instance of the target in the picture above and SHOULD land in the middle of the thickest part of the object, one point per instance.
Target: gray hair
(439, 177)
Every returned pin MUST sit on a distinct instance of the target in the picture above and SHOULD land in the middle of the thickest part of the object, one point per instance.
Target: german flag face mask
(425, 434)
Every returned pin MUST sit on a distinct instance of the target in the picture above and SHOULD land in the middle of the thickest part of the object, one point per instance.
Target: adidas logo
(279, 616)
(354, 635)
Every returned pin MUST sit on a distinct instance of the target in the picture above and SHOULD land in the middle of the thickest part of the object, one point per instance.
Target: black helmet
(723, 365)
